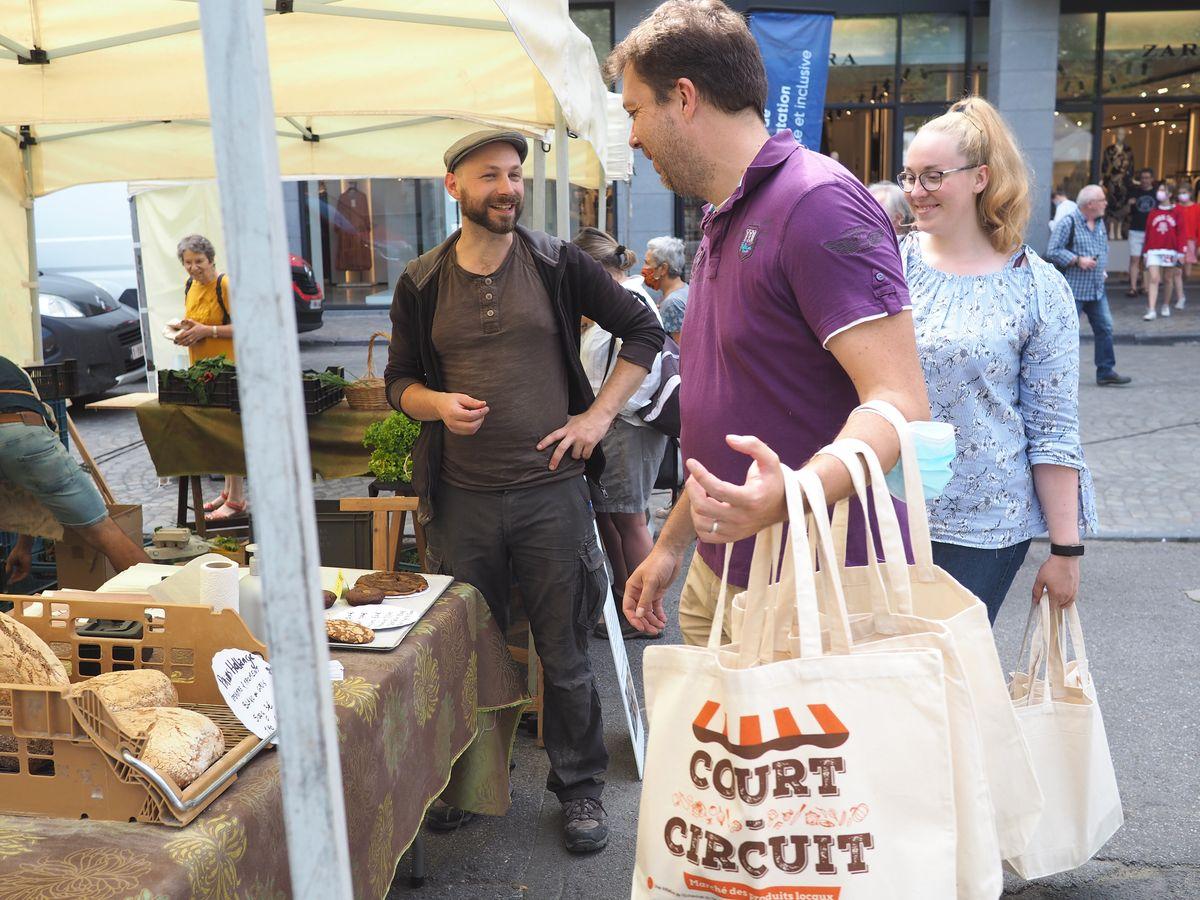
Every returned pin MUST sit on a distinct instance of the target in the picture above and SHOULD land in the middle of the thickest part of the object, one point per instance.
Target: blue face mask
(934, 443)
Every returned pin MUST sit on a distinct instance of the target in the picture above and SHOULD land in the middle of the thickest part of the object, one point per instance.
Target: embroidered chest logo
(748, 239)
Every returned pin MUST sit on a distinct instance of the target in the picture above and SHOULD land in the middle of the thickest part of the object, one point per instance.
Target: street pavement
(1140, 442)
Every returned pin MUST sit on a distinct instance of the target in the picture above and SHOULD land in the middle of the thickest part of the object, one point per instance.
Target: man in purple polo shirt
(798, 309)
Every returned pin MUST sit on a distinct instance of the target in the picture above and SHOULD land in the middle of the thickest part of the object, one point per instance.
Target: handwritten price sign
(244, 680)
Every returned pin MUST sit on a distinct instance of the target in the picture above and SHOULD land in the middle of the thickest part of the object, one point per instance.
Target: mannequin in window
(353, 249)
(1116, 173)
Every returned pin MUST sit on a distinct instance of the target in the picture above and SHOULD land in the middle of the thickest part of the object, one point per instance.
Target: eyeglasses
(931, 181)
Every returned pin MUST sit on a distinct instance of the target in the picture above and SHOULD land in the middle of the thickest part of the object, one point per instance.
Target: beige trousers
(698, 603)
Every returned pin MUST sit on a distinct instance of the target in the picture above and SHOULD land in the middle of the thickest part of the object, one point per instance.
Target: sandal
(214, 505)
(234, 508)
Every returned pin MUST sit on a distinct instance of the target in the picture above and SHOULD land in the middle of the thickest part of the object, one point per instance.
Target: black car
(81, 321)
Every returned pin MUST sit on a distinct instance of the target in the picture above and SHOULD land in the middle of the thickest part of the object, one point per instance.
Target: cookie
(342, 632)
(363, 596)
(394, 583)
(329, 597)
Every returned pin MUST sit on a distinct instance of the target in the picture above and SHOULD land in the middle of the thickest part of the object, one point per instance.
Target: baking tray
(391, 638)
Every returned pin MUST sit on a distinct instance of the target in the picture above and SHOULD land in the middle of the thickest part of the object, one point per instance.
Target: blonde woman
(998, 336)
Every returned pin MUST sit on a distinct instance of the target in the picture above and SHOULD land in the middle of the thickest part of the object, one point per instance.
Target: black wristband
(1066, 549)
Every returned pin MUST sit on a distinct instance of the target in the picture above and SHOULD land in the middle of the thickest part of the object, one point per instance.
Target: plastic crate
(56, 381)
(221, 391)
(63, 757)
(317, 397)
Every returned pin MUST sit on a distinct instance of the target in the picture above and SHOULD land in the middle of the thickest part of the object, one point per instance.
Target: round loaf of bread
(329, 597)
(180, 743)
(134, 689)
(25, 658)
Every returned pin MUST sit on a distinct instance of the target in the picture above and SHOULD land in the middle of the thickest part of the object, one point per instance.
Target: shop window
(1077, 56)
(1162, 135)
(1072, 151)
(689, 211)
(978, 72)
(862, 61)
(932, 49)
(862, 140)
(1152, 54)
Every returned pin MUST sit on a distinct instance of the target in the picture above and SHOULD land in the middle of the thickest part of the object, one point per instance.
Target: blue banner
(795, 50)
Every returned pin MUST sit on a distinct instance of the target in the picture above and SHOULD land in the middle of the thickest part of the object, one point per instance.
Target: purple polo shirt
(799, 253)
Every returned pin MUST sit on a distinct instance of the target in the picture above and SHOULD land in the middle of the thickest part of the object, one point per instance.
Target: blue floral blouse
(1001, 360)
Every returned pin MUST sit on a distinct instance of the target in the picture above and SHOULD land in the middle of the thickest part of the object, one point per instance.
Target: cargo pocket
(593, 583)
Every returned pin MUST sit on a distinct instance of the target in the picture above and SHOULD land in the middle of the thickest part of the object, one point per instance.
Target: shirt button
(487, 281)
(879, 276)
(487, 296)
(490, 313)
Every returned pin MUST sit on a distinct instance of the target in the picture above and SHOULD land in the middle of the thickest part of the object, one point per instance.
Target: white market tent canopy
(116, 91)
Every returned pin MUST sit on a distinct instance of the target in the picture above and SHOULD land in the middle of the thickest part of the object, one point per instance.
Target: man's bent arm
(625, 379)
(420, 403)
(880, 356)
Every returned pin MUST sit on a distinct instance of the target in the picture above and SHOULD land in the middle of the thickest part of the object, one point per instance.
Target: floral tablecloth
(438, 713)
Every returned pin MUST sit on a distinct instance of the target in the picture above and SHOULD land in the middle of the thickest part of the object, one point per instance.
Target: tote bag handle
(1047, 647)
(854, 455)
(914, 493)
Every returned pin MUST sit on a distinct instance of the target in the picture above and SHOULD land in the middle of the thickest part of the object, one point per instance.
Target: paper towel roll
(219, 584)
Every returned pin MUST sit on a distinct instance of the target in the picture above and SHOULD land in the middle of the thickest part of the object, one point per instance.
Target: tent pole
(35, 310)
(602, 203)
(562, 176)
(143, 300)
(539, 185)
(276, 438)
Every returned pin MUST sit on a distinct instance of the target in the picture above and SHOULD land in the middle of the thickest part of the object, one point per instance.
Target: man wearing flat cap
(485, 354)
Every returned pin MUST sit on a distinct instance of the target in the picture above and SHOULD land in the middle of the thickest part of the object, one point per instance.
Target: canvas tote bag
(980, 874)
(1065, 733)
(926, 591)
(822, 776)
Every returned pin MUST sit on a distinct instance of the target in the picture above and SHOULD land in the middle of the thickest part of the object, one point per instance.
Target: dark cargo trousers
(543, 536)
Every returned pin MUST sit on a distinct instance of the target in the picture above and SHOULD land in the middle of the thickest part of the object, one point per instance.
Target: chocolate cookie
(364, 596)
(330, 598)
(394, 583)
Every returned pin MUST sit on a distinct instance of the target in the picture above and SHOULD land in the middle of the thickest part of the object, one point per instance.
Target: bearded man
(485, 354)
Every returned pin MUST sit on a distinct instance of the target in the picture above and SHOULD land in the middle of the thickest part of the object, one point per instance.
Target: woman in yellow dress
(206, 332)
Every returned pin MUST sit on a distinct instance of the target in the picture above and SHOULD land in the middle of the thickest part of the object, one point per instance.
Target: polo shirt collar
(771, 156)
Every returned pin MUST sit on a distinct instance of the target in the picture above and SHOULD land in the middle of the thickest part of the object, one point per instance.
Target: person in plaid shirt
(1079, 249)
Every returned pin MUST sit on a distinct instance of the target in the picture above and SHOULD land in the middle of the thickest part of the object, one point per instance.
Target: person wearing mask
(797, 272)
(32, 457)
(663, 271)
(1079, 249)
(206, 332)
(485, 355)
(1141, 204)
(632, 449)
(1166, 245)
(894, 203)
(1189, 213)
(998, 333)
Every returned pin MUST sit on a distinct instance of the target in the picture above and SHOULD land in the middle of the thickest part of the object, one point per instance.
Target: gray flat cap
(463, 146)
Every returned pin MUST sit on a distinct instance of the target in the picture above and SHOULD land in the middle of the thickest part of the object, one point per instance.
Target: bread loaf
(343, 632)
(25, 658)
(363, 596)
(135, 689)
(180, 743)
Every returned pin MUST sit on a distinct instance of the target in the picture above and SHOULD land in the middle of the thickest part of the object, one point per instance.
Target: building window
(1077, 56)
(932, 50)
(689, 211)
(862, 61)
(977, 80)
(1151, 54)
(596, 21)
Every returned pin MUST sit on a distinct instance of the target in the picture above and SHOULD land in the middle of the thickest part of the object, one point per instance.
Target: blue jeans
(33, 457)
(988, 574)
(1100, 318)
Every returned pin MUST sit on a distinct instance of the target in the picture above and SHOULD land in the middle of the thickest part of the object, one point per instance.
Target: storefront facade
(1125, 94)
